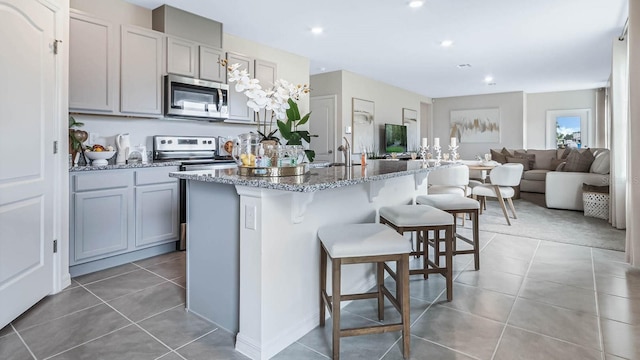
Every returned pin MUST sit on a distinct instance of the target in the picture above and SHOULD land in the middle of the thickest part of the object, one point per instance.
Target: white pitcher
(123, 145)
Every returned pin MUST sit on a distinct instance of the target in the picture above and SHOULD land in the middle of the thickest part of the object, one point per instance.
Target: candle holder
(438, 151)
(423, 153)
(454, 152)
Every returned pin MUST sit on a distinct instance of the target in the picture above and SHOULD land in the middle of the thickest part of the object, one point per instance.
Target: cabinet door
(100, 224)
(141, 71)
(181, 57)
(210, 68)
(238, 109)
(92, 64)
(156, 214)
(266, 72)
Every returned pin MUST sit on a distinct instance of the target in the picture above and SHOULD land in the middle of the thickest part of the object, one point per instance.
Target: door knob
(330, 152)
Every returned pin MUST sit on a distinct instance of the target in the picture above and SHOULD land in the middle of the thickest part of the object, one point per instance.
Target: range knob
(170, 141)
(163, 141)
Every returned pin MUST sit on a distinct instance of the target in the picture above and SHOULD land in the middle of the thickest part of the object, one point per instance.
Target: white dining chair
(503, 179)
(449, 180)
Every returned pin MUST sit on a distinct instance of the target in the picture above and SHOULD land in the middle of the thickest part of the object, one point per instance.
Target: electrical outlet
(250, 217)
(93, 138)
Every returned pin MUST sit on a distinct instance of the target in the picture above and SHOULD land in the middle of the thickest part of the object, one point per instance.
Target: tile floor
(531, 299)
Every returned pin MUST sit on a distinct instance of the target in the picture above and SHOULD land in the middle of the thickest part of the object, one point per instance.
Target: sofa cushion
(602, 162)
(500, 156)
(555, 163)
(579, 161)
(525, 155)
(543, 158)
(536, 174)
(519, 160)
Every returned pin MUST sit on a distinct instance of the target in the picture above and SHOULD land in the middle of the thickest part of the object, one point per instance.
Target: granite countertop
(316, 179)
(125, 166)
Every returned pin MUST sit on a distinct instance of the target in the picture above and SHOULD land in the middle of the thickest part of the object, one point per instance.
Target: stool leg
(379, 281)
(455, 225)
(323, 282)
(436, 246)
(476, 239)
(403, 277)
(449, 261)
(335, 307)
(425, 253)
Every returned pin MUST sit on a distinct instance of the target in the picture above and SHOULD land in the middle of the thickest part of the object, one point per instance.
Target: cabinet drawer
(101, 180)
(157, 175)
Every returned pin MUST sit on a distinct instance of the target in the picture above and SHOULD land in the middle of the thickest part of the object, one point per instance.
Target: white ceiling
(526, 45)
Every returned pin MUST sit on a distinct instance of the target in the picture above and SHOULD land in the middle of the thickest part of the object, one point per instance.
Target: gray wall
(511, 107)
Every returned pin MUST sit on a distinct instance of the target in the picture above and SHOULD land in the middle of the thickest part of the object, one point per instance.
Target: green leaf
(304, 119)
(295, 139)
(305, 135)
(310, 155)
(285, 130)
(292, 112)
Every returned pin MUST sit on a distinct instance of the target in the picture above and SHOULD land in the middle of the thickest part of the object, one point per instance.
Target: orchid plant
(274, 99)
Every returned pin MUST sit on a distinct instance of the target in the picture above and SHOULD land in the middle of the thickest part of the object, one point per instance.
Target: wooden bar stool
(364, 243)
(423, 219)
(455, 204)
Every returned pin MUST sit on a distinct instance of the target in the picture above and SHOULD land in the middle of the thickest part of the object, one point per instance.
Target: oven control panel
(184, 143)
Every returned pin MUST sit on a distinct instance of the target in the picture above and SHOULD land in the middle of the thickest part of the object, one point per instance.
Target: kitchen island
(252, 249)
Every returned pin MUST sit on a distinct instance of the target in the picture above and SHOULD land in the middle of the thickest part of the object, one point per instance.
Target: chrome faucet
(346, 151)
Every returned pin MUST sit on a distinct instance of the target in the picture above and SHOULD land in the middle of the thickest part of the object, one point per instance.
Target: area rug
(566, 226)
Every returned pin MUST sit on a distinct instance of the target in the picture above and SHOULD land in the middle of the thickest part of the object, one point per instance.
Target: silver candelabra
(454, 152)
(423, 153)
(438, 151)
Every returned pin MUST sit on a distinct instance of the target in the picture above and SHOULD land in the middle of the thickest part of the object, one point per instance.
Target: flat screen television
(395, 138)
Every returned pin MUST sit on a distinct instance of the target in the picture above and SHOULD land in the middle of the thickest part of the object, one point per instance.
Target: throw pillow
(498, 156)
(566, 153)
(579, 161)
(595, 188)
(524, 162)
(506, 152)
(530, 157)
(555, 163)
(602, 163)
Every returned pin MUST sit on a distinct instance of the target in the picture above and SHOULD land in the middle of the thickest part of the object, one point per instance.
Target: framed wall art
(476, 125)
(363, 126)
(410, 120)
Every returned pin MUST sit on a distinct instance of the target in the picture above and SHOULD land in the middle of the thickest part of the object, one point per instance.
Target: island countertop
(316, 179)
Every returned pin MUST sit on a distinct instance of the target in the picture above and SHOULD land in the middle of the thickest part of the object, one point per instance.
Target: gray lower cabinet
(123, 215)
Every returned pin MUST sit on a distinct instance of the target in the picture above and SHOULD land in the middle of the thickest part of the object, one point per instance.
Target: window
(568, 128)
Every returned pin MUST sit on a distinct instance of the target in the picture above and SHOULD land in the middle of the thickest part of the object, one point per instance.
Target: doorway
(323, 124)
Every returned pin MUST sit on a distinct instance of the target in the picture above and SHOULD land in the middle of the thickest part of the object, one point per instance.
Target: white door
(323, 124)
(27, 115)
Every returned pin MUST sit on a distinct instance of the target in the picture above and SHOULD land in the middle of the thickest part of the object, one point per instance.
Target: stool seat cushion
(412, 215)
(448, 202)
(489, 190)
(355, 240)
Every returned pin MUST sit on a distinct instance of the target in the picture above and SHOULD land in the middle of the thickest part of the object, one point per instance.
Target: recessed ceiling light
(416, 3)
(464, 66)
(317, 30)
(446, 43)
(488, 79)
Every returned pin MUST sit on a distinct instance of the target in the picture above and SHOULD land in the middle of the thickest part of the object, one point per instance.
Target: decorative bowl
(99, 158)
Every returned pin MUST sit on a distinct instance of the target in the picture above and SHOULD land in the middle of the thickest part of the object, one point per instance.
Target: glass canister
(246, 149)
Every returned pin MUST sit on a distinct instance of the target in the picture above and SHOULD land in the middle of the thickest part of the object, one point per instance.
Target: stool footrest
(360, 296)
(367, 330)
(465, 239)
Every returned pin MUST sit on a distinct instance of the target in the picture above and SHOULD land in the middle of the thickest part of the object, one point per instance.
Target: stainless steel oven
(195, 153)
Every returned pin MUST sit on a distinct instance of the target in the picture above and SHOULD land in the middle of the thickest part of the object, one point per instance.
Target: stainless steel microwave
(187, 97)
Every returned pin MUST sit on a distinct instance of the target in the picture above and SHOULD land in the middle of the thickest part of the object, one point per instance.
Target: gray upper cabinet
(141, 71)
(238, 109)
(181, 56)
(266, 73)
(210, 68)
(93, 64)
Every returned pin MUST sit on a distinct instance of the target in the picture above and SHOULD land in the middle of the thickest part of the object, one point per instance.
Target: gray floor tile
(489, 304)
(53, 307)
(613, 357)
(48, 339)
(172, 256)
(127, 343)
(12, 348)
(297, 351)
(426, 290)
(511, 246)
(579, 274)
(170, 269)
(74, 284)
(611, 268)
(150, 301)
(625, 287)
(368, 308)
(559, 252)
(469, 334)
(124, 284)
(517, 344)
(177, 327)
(574, 326)
(569, 297)
(619, 308)
(171, 356)
(181, 281)
(104, 274)
(218, 345)
(6, 331)
(621, 339)
(608, 255)
(491, 280)
(504, 264)
(425, 350)
(354, 347)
